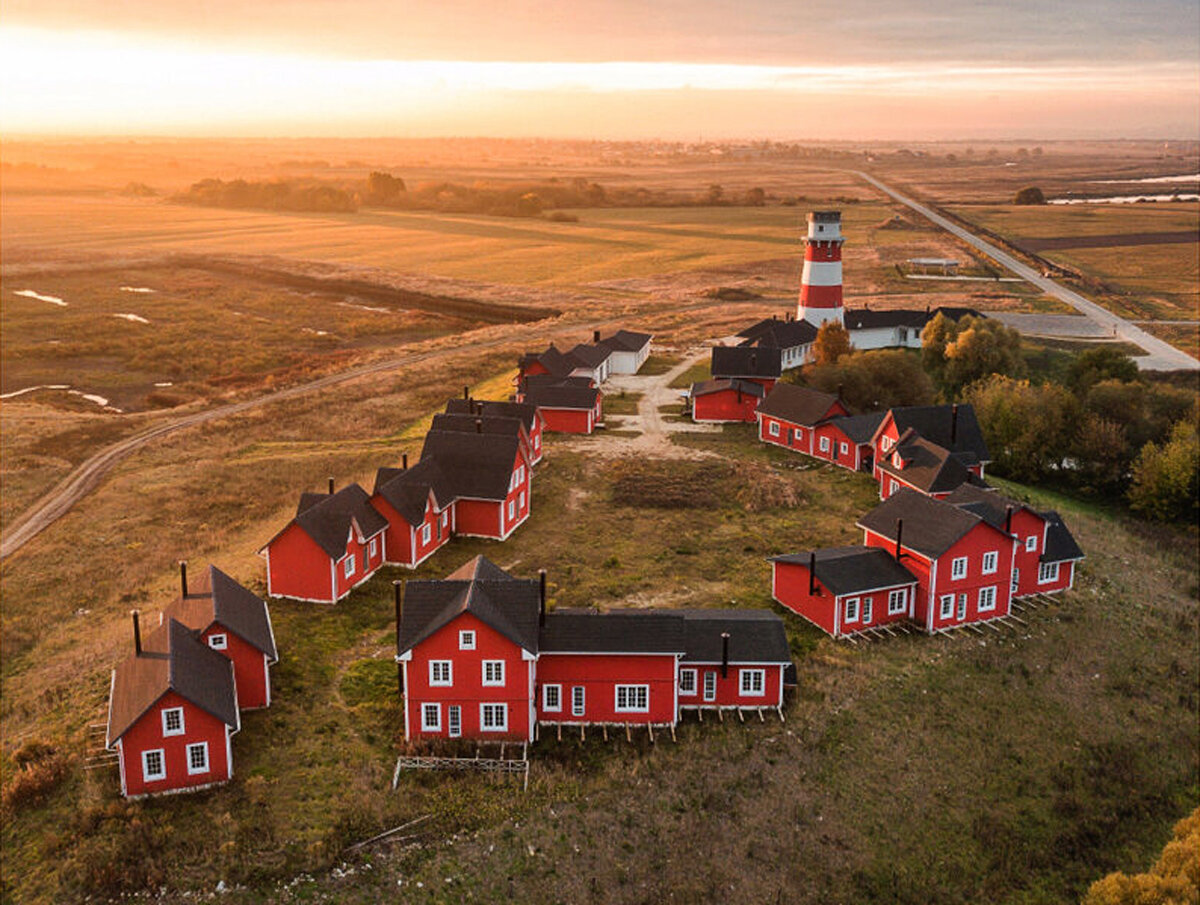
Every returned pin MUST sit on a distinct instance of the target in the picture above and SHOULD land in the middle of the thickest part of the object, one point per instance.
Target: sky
(609, 69)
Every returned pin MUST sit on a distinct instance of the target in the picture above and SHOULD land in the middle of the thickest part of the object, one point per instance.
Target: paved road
(1160, 356)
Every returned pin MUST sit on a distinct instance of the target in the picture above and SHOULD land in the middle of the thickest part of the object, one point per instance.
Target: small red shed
(725, 400)
(789, 414)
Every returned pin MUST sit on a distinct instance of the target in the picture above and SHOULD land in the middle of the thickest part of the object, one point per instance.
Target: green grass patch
(658, 363)
(695, 374)
(622, 403)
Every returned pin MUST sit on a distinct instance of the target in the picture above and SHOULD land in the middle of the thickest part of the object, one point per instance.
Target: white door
(962, 607)
(455, 721)
(867, 607)
(710, 686)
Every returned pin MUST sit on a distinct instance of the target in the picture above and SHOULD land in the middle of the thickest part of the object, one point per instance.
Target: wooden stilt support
(673, 738)
(700, 713)
(502, 750)
(741, 716)
(761, 718)
(779, 710)
(604, 731)
(582, 733)
(720, 715)
(537, 730)
(559, 725)
(628, 734)
(650, 730)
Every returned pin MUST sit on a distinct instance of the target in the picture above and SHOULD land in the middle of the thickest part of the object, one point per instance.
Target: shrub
(1031, 194)
(31, 783)
(1165, 484)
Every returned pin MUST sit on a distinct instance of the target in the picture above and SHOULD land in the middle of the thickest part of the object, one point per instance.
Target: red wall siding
(886, 429)
(365, 564)
(297, 567)
(146, 735)
(249, 668)
(919, 567)
(790, 587)
(478, 518)
(787, 434)
(599, 675)
(725, 406)
(519, 496)
(728, 687)
(835, 454)
(468, 690)
(535, 439)
(568, 421)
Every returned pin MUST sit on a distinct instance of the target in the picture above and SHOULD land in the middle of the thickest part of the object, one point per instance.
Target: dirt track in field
(1116, 240)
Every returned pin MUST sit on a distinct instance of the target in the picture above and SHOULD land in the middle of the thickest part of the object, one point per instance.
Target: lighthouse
(821, 281)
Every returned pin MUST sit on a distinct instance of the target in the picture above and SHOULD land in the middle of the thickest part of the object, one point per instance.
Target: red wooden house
(334, 544)
(789, 415)
(418, 505)
(844, 590)
(952, 427)
(234, 621)
(488, 477)
(172, 712)
(846, 441)
(583, 360)
(478, 423)
(723, 400)
(919, 464)
(747, 363)
(526, 412)
(571, 405)
(1046, 551)
(467, 646)
(962, 563)
(732, 659)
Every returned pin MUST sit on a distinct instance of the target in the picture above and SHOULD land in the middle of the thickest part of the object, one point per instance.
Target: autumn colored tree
(1173, 880)
(1165, 485)
(873, 381)
(1031, 194)
(832, 342)
(1090, 367)
(958, 353)
(1029, 429)
(384, 188)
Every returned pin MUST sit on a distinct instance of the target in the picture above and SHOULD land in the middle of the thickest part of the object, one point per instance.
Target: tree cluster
(958, 353)
(1173, 880)
(270, 196)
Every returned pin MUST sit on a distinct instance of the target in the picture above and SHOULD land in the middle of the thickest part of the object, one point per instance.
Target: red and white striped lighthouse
(821, 281)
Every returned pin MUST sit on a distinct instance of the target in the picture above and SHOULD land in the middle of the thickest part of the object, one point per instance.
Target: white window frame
(850, 609)
(1047, 572)
(454, 720)
(897, 601)
(167, 713)
(488, 711)
(197, 746)
(552, 691)
(466, 639)
(798, 435)
(147, 774)
(636, 698)
(946, 606)
(578, 700)
(1016, 580)
(219, 641)
(752, 683)
(958, 568)
(773, 428)
(372, 547)
(885, 443)
(434, 725)
(824, 444)
(445, 519)
(1031, 543)
(962, 607)
(512, 509)
(521, 500)
(687, 682)
(425, 534)
(843, 449)
(710, 685)
(987, 599)
(893, 486)
(348, 565)
(436, 679)
(991, 561)
(492, 682)
(868, 610)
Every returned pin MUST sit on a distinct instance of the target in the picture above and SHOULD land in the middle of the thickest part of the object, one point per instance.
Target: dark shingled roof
(931, 527)
(988, 503)
(525, 411)
(721, 384)
(482, 424)
(755, 636)
(798, 405)
(560, 395)
(778, 334)
(408, 490)
(618, 632)
(936, 423)
(172, 659)
(745, 361)
(509, 605)
(928, 467)
(626, 341)
(852, 570)
(859, 428)
(326, 518)
(478, 466)
(590, 356)
(1060, 543)
(216, 597)
(554, 361)
(866, 318)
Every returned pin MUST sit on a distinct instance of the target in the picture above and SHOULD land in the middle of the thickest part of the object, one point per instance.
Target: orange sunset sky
(782, 69)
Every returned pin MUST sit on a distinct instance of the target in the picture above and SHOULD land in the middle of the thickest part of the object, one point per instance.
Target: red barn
(488, 476)
(334, 544)
(172, 712)
(952, 427)
(1046, 551)
(725, 400)
(963, 564)
(844, 590)
(467, 645)
(234, 621)
(747, 363)
(613, 668)
(526, 412)
(571, 406)
(789, 414)
(419, 508)
(922, 465)
(732, 658)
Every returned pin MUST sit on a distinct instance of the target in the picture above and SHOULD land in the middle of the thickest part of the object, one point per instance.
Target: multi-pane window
(218, 642)
(425, 534)
(799, 435)
(431, 718)
(1031, 543)
(867, 610)
(710, 686)
(897, 601)
(493, 717)
(154, 765)
(851, 610)
(512, 508)
(1047, 572)
(552, 697)
(958, 567)
(493, 672)
(577, 700)
(946, 606)
(371, 548)
(987, 598)
(633, 698)
(454, 720)
(466, 639)
(844, 449)
(440, 673)
(824, 444)
(989, 562)
(773, 429)
(687, 681)
(753, 681)
(197, 758)
(348, 565)
(172, 720)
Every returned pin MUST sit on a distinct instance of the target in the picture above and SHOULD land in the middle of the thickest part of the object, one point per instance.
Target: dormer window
(218, 642)
(172, 721)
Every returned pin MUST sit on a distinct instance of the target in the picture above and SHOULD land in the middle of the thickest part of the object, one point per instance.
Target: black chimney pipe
(183, 578)
(812, 573)
(466, 392)
(1008, 519)
(331, 486)
(595, 336)
(724, 655)
(479, 425)
(841, 390)
(542, 597)
(137, 634)
(899, 535)
(399, 590)
(404, 462)
(953, 423)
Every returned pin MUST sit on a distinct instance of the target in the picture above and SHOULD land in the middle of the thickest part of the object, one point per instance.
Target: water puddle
(365, 308)
(42, 386)
(94, 398)
(1149, 179)
(135, 289)
(133, 318)
(1124, 199)
(165, 383)
(30, 294)
(316, 332)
